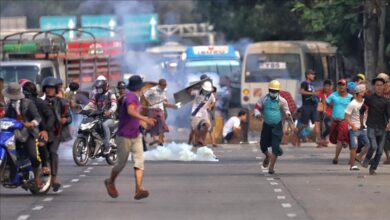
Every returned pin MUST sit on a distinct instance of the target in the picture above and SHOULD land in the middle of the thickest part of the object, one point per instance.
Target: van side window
(46, 72)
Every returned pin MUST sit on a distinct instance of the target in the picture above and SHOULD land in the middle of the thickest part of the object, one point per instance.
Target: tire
(80, 152)
(46, 187)
(2, 167)
(112, 157)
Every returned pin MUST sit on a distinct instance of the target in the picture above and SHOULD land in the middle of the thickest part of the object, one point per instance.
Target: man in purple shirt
(129, 139)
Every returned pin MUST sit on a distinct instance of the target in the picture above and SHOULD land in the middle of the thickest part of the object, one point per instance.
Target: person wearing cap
(157, 101)
(357, 127)
(24, 110)
(200, 120)
(270, 106)
(309, 106)
(129, 139)
(339, 101)
(378, 120)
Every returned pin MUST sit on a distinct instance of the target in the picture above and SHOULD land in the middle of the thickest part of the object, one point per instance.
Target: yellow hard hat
(361, 76)
(274, 85)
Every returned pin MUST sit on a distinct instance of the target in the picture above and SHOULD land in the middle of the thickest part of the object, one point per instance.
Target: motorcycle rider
(60, 109)
(104, 100)
(24, 110)
(48, 119)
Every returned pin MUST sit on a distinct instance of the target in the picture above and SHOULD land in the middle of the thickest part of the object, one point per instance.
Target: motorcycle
(89, 141)
(15, 167)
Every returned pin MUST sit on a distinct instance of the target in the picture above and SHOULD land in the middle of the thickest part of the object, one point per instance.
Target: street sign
(140, 28)
(58, 22)
(103, 21)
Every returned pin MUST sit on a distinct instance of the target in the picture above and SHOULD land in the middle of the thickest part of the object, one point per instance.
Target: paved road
(307, 186)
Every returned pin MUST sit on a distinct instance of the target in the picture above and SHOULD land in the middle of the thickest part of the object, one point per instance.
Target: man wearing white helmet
(201, 105)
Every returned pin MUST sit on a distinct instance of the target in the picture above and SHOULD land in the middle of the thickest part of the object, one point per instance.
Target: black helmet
(101, 84)
(30, 90)
(49, 82)
(59, 82)
(121, 85)
(74, 86)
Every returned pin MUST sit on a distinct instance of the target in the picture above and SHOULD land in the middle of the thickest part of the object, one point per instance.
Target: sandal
(111, 190)
(266, 162)
(334, 161)
(141, 194)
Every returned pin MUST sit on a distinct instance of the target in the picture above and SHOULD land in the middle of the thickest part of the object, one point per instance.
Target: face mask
(273, 95)
(99, 90)
(205, 93)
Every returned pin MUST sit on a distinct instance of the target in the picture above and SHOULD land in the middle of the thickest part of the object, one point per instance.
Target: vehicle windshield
(15, 73)
(222, 67)
(266, 67)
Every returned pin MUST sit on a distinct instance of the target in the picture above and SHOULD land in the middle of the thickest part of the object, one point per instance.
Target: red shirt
(322, 96)
(290, 101)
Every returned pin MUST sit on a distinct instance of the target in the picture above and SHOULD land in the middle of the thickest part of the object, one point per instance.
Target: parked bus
(286, 61)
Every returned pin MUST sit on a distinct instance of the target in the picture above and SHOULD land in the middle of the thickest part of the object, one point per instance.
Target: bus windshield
(222, 67)
(266, 67)
(15, 73)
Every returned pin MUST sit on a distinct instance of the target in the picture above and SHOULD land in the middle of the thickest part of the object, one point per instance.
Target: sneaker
(365, 163)
(106, 150)
(372, 172)
(111, 189)
(354, 168)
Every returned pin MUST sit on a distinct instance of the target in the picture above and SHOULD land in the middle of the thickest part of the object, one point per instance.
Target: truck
(35, 55)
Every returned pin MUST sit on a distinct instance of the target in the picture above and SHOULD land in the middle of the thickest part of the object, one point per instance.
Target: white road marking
(90, 168)
(95, 163)
(74, 180)
(274, 183)
(23, 217)
(59, 191)
(259, 158)
(82, 175)
(265, 171)
(48, 199)
(281, 197)
(277, 190)
(37, 208)
(255, 150)
(269, 179)
(286, 205)
(66, 186)
(87, 171)
(291, 215)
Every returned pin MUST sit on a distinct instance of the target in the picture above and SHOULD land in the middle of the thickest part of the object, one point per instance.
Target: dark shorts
(271, 136)
(309, 113)
(229, 136)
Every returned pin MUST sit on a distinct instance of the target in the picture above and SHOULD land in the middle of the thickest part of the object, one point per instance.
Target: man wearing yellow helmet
(269, 106)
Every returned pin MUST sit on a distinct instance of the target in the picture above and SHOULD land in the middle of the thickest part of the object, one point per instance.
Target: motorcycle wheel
(46, 186)
(2, 168)
(112, 157)
(80, 152)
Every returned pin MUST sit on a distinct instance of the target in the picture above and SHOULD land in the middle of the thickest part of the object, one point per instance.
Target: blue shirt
(339, 104)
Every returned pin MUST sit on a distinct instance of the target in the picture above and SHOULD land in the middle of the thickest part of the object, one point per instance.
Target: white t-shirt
(233, 122)
(202, 113)
(352, 110)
